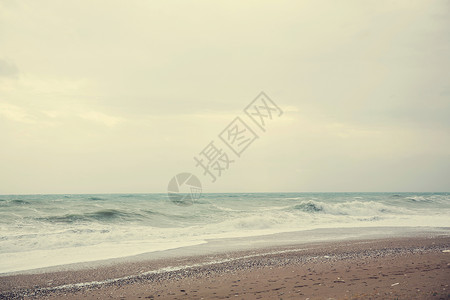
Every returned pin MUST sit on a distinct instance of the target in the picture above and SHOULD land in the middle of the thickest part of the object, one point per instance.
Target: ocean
(47, 230)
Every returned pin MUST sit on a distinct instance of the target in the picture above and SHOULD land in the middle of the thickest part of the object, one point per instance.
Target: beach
(384, 268)
(230, 245)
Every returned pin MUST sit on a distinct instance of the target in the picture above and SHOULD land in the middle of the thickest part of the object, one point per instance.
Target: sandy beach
(395, 268)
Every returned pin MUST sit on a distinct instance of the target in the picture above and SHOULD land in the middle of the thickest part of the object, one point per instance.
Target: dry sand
(413, 268)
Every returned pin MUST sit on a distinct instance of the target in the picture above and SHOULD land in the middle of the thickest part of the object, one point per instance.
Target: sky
(119, 97)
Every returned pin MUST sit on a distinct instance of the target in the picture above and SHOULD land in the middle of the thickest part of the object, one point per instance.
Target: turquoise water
(42, 230)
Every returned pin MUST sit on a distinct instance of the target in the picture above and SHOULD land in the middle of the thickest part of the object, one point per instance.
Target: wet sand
(397, 268)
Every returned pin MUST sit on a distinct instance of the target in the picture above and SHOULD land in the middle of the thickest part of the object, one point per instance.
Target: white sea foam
(45, 230)
(26, 260)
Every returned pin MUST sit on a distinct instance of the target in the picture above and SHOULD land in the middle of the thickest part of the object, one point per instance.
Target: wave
(96, 198)
(101, 215)
(114, 215)
(166, 215)
(376, 218)
(15, 202)
(41, 234)
(419, 199)
(355, 207)
(20, 202)
(253, 222)
(309, 206)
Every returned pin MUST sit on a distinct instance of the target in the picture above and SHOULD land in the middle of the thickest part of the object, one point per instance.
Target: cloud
(15, 113)
(8, 69)
(102, 118)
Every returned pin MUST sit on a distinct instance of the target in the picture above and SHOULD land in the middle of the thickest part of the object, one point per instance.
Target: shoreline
(134, 275)
(213, 246)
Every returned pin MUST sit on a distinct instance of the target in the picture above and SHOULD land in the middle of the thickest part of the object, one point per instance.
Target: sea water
(47, 230)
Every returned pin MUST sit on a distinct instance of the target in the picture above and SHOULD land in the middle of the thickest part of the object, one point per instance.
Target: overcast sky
(119, 96)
